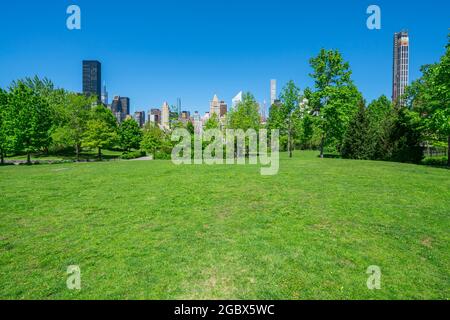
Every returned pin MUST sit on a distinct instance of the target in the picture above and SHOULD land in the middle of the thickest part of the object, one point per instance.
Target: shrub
(435, 161)
(133, 155)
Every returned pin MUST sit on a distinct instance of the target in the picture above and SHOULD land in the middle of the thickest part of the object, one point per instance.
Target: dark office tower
(125, 105)
(92, 78)
(400, 66)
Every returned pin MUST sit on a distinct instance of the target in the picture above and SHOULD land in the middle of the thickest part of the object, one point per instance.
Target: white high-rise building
(273, 91)
(165, 116)
(238, 99)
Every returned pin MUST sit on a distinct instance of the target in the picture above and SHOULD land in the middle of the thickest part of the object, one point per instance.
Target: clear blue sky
(158, 50)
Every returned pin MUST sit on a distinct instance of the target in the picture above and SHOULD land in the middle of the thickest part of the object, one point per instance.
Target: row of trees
(334, 115)
(36, 117)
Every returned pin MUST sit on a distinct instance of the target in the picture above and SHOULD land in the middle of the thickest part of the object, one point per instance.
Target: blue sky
(157, 50)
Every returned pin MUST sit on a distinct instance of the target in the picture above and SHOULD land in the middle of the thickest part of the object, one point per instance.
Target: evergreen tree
(355, 144)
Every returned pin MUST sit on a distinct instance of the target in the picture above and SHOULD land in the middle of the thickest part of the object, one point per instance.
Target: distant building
(179, 106)
(400, 66)
(105, 95)
(236, 100)
(198, 124)
(154, 116)
(223, 109)
(120, 107)
(92, 78)
(214, 106)
(139, 116)
(185, 115)
(165, 116)
(125, 105)
(273, 91)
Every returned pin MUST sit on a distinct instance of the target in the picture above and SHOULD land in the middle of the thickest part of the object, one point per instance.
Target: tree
(190, 127)
(213, 122)
(356, 140)
(130, 135)
(5, 126)
(245, 115)
(101, 130)
(73, 119)
(290, 98)
(32, 119)
(335, 98)
(429, 96)
(153, 139)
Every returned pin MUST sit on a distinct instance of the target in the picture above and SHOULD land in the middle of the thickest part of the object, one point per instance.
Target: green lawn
(152, 230)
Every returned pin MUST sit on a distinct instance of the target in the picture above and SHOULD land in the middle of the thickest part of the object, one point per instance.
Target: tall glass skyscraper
(400, 66)
(92, 78)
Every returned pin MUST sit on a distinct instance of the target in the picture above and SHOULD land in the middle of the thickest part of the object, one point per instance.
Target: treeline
(333, 116)
(35, 117)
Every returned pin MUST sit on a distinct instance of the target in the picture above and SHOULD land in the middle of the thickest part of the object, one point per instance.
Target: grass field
(151, 230)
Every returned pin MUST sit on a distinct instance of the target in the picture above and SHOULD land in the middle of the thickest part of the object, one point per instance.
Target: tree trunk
(100, 154)
(77, 151)
(448, 152)
(2, 158)
(28, 158)
(322, 143)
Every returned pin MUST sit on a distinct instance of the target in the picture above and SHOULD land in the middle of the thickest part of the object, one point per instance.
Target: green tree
(73, 119)
(101, 130)
(335, 97)
(245, 115)
(130, 135)
(5, 126)
(290, 98)
(31, 119)
(429, 96)
(153, 139)
(190, 127)
(356, 140)
(213, 122)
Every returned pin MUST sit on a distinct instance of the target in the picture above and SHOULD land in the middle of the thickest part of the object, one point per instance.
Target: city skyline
(152, 62)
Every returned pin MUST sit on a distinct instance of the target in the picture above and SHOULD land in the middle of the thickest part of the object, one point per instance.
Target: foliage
(133, 155)
(154, 140)
(355, 144)
(335, 97)
(245, 115)
(429, 96)
(213, 122)
(30, 119)
(130, 135)
(101, 131)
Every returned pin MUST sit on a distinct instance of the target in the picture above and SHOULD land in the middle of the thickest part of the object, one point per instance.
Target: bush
(132, 155)
(435, 161)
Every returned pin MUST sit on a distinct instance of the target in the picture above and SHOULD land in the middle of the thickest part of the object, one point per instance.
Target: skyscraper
(236, 100)
(400, 66)
(273, 91)
(214, 106)
(104, 95)
(92, 78)
(165, 116)
(179, 106)
(125, 102)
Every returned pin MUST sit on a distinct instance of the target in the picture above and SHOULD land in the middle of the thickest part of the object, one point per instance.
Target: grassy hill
(152, 230)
